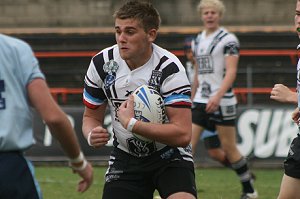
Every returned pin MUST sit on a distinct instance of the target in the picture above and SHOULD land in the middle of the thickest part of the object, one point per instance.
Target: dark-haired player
(137, 167)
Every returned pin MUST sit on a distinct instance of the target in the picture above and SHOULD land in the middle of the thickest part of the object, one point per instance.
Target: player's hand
(98, 137)
(281, 93)
(87, 178)
(296, 116)
(126, 112)
(213, 104)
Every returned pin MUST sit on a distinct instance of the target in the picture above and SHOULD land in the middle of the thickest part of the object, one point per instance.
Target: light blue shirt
(18, 67)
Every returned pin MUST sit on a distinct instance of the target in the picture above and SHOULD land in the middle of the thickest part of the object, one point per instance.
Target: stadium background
(64, 34)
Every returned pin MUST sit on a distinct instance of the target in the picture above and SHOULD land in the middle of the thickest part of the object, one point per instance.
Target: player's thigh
(177, 181)
(16, 177)
(124, 190)
(289, 188)
(227, 135)
(181, 195)
(196, 133)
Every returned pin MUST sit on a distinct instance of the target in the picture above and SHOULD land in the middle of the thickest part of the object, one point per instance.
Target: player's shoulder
(165, 56)
(14, 43)
(106, 51)
(229, 36)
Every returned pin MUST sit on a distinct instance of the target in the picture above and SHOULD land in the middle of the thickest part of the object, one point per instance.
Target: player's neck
(139, 60)
(209, 31)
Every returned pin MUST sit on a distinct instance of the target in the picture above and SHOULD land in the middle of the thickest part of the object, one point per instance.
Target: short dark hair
(143, 11)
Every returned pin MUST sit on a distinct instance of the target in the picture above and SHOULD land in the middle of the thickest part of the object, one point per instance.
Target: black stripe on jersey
(216, 41)
(111, 54)
(89, 81)
(95, 92)
(228, 97)
(161, 61)
(168, 71)
(98, 61)
(114, 91)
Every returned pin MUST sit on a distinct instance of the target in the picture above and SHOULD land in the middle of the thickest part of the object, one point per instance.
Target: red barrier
(240, 92)
(293, 54)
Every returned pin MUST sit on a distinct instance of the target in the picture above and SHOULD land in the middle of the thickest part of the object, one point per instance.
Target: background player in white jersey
(22, 85)
(290, 183)
(214, 104)
(138, 167)
(210, 138)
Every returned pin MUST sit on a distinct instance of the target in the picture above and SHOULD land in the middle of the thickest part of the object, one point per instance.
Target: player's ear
(152, 33)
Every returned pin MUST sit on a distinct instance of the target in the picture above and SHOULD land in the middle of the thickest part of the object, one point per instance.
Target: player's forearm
(292, 97)
(64, 133)
(177, 132)
(168, 134)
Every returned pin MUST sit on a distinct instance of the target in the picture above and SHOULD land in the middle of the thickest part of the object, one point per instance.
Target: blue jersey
(18, 67)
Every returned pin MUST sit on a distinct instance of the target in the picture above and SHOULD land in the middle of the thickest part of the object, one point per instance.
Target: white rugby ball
(148, 107)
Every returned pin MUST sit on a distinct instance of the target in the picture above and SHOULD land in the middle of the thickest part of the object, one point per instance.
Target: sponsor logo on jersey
(139, 147)
(154, 80)
(205, 63)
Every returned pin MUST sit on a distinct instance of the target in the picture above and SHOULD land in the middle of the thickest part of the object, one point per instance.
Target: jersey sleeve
(93, 94)
(232, 46)
(176, 88)
(29, 63)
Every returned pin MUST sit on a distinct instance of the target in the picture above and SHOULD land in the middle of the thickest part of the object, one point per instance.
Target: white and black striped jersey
(210, 52)
(109, 79)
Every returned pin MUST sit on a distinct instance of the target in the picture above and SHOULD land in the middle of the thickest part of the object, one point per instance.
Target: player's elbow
(184, 140)
(56, 119)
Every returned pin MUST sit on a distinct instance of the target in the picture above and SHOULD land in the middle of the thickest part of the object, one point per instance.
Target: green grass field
(215, 183)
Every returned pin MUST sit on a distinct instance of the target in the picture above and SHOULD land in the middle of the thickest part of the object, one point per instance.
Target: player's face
(134, 43)
(211, 18)
(297, 17)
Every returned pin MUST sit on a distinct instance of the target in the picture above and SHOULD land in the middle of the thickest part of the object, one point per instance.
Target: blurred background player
(214, 104)
(136, 167)
(210, 138)
(291, 179)
(23, 85)
(290, 182)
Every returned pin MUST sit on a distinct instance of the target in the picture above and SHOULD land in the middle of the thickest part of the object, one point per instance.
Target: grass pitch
(212, 183)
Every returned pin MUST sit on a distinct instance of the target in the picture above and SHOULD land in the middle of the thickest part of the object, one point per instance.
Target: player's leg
(289, 188)
(16, 177)
(227, 136)
(196, 134)
(239, 164)
(213, 146)
(177, 181)
(200, 122)
(225, 123)
(291, 179)
(126, 178)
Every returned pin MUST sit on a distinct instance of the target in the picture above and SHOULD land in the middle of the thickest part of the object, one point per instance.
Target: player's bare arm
(61, 129)
(282, 93)
(92, 128)
(175, 133)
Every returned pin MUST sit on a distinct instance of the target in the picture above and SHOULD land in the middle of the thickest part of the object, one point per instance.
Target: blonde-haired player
(214, 104)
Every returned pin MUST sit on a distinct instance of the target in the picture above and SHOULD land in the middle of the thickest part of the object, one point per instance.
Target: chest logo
(110, 68)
